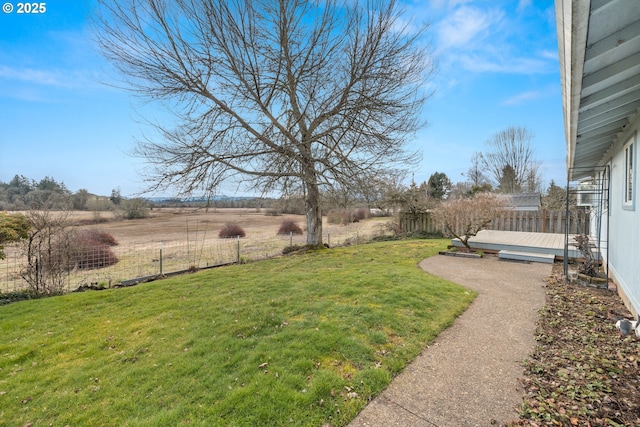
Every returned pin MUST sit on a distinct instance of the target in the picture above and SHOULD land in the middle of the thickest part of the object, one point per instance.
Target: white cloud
(523, 4)
(56, 78)
(439, 4)
(549, 54)
(487, 62)
(491, 39)
(531, 95)
(467, 27)
(523, 97)
(39, 77)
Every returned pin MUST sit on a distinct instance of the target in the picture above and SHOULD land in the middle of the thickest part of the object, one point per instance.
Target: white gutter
(572, 23)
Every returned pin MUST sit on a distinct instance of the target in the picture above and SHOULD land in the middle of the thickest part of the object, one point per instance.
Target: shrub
(361, 213)
(98, 236)
(346, 216)
(390, 227)
(231, 230)
(134, 208)
(12, 229)
(90, 249)
(9, 297)
(341, 216)
(92, 255)
(289, 226)
(336, 217)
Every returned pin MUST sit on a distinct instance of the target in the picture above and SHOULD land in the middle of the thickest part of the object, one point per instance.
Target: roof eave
(572, 19)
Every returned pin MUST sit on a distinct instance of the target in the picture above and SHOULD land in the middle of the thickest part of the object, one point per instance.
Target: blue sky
(497, 65)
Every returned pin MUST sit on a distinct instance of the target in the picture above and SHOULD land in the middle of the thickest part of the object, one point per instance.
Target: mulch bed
(583, 372)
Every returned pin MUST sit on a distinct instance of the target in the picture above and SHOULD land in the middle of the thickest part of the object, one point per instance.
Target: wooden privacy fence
(540, 221)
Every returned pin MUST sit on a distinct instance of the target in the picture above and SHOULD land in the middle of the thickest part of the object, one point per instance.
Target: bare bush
(289, 227)
(464, 218)
(231, 230)
(53, 250)
(98, 236)
(47, 250)
(90, 249)
(361, 213)
(92, 256)
(345, 216)
(588, 264)
(338, 217)
(390, 227)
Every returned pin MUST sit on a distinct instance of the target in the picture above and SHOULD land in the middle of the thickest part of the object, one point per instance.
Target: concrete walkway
(469, 375)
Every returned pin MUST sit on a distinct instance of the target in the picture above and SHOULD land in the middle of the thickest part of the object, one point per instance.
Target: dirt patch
(583, 372)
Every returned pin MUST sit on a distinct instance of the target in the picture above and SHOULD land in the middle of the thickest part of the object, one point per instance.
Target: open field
(303, 340)
(173, 240)
(174, 224)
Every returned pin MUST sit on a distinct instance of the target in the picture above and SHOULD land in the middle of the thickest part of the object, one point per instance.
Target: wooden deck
(520, 241)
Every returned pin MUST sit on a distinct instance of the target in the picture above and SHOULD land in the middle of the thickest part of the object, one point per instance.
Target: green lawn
(300, 340)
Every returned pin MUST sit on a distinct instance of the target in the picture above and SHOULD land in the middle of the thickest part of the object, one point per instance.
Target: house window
(629, 176)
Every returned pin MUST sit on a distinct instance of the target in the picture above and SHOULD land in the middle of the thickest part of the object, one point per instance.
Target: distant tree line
(384, 194)
(22, 193)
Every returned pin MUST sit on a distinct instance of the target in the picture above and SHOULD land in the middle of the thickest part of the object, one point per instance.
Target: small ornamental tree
(588, 265)
(464, 218)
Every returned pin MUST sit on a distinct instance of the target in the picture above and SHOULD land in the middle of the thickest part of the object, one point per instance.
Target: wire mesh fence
(59, 269)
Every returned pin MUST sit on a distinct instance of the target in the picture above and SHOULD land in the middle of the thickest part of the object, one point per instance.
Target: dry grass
(188, 238)
(172, 224)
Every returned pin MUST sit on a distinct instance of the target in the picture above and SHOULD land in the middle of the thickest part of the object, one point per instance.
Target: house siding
(624, 224)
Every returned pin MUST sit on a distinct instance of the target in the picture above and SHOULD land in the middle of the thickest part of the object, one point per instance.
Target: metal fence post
(329, 238)
(238, 252)
(161, 258)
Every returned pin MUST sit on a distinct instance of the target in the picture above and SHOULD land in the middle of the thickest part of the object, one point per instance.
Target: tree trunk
(314, 215)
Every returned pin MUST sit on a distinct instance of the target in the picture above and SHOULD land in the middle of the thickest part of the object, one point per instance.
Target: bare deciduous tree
(47, 251)
(275, 93)
(510, 150)
(475, 174)
(464, 218)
